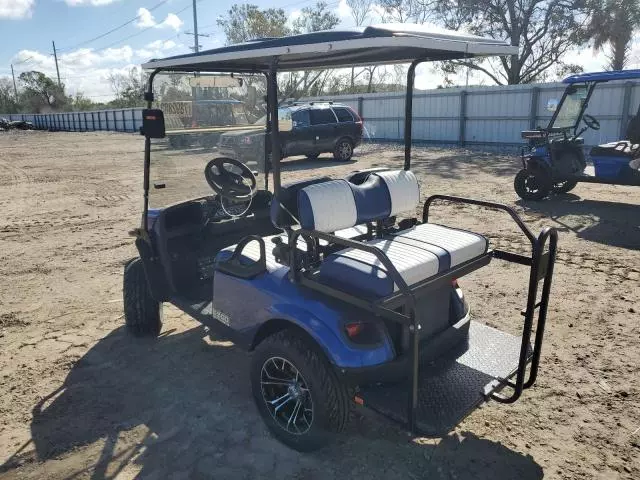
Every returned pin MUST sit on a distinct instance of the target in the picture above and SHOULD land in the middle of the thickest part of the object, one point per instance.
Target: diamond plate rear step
(452, 387)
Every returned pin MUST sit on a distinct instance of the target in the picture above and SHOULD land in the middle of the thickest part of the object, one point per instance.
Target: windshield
(199, 109)
(568, 114)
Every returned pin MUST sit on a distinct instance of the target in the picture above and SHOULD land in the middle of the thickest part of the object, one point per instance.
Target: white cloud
(95, 3)
(156, 49)
(147, 20)
(16, 8)
(343, 10)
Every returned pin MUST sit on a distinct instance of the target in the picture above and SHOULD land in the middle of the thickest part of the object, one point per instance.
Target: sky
(95, 38)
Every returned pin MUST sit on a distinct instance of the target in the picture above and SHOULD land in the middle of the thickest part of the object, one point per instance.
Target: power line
(115, 29)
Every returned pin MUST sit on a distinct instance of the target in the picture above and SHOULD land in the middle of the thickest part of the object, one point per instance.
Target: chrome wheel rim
(345, 150)
(286, 395)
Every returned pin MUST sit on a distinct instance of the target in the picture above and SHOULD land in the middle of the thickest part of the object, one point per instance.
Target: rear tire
(532, 185)
(289, 368)
(141, 311)
(343, 150)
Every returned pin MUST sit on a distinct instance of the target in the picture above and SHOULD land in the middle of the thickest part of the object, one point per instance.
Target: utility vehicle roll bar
(541, 265)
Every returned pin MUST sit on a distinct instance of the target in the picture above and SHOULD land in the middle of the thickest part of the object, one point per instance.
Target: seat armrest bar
(358, 302)
(496, 206)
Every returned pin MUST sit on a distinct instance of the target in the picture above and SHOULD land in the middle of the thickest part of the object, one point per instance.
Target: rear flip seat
(418, 253)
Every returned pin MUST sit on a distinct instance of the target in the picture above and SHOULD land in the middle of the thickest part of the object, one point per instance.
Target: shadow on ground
(611, 223)
(457, 166)
(180, 407)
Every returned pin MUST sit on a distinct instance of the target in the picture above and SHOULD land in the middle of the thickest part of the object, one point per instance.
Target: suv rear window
(322, 116)
(343, 114)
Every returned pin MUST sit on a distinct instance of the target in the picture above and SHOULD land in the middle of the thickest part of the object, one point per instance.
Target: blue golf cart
(342, 295)
(556, 160)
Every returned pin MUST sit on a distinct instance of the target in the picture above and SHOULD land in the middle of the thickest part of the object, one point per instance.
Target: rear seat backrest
(339, 204)
(327, 207)
(403, 190)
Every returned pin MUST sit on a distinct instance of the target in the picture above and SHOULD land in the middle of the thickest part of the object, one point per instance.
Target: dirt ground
(81, 399)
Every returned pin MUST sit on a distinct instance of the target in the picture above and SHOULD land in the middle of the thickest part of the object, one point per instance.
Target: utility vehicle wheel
(344, 150)
(532, 185)
(564, 187)
(297, 393)
(141, 311)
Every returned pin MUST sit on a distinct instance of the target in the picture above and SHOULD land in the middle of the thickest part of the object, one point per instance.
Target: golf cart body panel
(342, 265)
(556, 160)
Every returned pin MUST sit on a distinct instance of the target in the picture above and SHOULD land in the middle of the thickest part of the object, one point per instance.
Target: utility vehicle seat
(418, 253)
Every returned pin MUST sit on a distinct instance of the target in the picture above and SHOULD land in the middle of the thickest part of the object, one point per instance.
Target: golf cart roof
(373, 45)
(603, 76)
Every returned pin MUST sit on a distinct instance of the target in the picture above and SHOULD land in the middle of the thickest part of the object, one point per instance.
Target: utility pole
(55, 55)
(15, 88)
(196, 47)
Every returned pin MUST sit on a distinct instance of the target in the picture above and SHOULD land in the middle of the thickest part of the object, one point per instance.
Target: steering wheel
(234, 183)
(591, 122)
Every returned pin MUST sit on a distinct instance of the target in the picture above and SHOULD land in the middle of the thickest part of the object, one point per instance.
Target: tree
(82, 103)
(315, 19)
(544, 31)
(41, 93)
(611, 25)
(128, 88)
(8, 100)
(247, 22)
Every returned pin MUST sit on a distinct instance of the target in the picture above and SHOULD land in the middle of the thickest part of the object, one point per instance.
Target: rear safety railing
(542, 263)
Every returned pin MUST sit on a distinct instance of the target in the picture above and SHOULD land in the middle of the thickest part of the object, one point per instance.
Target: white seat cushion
(418, 253)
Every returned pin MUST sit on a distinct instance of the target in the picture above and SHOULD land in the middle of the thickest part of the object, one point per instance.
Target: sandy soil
(80, 399)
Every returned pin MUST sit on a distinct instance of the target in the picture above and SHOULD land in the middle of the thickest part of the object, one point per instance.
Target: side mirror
(552, 105)
(152, 123)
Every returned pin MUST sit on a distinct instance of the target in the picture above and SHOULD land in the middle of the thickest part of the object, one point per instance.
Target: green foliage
(41, 93)
(247, 22)
(315, 19)
(544, 30)
(8, 101)
(611, 27)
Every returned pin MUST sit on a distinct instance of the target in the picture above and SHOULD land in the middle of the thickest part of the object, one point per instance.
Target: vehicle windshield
(198, 109)
(568, 114)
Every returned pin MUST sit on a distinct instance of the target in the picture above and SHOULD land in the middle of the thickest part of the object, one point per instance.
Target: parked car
(306, 129)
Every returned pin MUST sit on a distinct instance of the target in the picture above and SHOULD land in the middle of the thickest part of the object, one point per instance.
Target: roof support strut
(272, 109)
(408, 111)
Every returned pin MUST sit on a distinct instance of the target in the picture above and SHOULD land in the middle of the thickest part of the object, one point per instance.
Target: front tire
(532, 185)
(343, 150)
(297, 392)
(141, 311)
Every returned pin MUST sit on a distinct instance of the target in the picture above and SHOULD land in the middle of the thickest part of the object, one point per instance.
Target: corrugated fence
(122, 120)
(488, 115)
(470, 116)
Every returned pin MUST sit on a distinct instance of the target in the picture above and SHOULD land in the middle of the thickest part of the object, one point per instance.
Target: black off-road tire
(532, 185)
(141, 311)
(331, 403)
(343, 150)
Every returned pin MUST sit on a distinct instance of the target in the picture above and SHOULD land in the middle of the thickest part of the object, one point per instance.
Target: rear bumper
(453, 338)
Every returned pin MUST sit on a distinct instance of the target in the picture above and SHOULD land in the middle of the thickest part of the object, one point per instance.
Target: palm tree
(612, 25)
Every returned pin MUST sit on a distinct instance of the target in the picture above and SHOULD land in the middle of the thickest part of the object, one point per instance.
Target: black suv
(306, 129)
